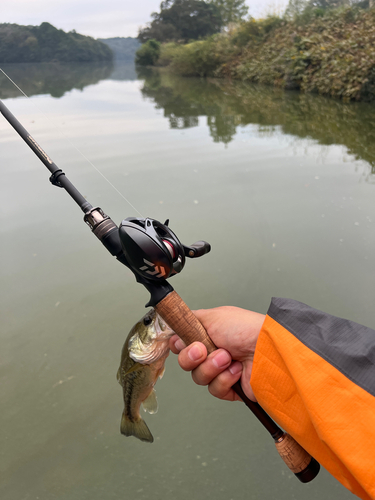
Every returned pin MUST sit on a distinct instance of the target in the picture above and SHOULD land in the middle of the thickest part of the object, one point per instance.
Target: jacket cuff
(328, 413)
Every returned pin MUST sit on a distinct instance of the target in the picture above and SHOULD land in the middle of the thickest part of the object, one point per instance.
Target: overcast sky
(100, 18)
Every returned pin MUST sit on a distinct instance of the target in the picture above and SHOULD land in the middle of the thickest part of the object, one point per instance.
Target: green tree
(148, 53)
(306, 8)
(231, 11)
(182, 20)
(329, 4)
(295, 8)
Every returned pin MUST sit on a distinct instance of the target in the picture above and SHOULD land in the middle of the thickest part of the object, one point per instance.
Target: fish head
(149, 340)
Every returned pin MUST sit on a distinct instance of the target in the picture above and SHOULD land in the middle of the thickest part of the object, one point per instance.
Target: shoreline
(333, 55)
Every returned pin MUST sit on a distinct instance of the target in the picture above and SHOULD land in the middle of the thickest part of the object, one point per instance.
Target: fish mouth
(155, 346)
(161, 326)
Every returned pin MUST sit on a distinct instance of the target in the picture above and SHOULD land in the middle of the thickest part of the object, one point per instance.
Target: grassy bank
(331, 54)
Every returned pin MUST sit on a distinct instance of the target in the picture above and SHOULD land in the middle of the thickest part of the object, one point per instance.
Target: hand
(235, 332)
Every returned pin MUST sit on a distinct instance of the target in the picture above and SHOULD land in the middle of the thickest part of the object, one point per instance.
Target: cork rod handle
(183, 321)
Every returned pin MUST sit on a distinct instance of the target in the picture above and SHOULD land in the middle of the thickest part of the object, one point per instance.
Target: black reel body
(153, 251)
(151, 248)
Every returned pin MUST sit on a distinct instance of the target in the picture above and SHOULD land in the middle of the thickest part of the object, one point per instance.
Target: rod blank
(62, 181)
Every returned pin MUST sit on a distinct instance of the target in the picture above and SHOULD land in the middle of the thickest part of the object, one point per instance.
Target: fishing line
(71, 144)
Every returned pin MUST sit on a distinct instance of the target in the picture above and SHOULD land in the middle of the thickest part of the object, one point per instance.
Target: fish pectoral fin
(150, 404)
(118, 376)
(134, 368)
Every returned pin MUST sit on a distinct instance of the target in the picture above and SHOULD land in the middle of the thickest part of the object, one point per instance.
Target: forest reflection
(230, 105)
(226, 105)
(54, 79)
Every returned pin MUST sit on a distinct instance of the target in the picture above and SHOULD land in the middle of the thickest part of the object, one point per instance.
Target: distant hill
(124, 49)
(45, 43)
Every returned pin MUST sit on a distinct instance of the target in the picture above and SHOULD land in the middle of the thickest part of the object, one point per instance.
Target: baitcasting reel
(153, 251)
(147, 247)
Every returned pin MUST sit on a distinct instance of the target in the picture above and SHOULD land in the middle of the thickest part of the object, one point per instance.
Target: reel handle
(183, 321)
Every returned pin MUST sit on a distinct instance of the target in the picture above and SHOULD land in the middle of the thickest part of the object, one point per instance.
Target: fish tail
(137, 428)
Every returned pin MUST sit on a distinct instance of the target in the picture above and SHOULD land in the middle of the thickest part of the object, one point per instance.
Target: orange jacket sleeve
(315, 375)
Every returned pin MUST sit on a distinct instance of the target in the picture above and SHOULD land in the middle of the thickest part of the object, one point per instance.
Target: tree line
(46, 43)
(185, 20)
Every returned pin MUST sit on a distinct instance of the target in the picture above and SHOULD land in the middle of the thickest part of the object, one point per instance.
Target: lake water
(283, 187)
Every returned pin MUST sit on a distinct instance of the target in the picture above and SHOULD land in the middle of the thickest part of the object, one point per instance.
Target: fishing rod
(153, 253)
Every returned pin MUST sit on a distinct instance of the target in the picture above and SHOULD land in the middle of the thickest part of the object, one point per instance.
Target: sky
(101, 18)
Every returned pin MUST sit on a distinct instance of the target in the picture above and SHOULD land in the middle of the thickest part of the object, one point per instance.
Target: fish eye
(147, 321)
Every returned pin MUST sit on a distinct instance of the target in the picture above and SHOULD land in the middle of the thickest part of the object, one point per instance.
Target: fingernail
(222, 359)
(179, 345)
(195, 353)
(235, 368)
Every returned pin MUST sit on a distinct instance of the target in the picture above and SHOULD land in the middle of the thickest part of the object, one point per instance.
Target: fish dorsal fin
(134, 368)
(150, 404)
(118, 376)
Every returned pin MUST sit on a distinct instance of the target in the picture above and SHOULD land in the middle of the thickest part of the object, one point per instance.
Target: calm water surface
(283, 187)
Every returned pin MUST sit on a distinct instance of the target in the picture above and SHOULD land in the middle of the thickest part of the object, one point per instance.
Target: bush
(168, 51)
(200, 58)
(331, 55)
(203, 58)
(148, 53)
(255, 30)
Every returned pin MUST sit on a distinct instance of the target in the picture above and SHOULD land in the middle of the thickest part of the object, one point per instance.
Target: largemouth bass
(142, 363)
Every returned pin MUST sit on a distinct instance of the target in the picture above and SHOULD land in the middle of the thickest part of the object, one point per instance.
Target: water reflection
(230, 105)
(56, 79)
(227, 106)
(123, 71)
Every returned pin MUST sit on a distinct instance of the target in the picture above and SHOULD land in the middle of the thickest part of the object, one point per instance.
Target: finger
(176, 344)
(215, 363)
(221, 386)
(190, 357)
